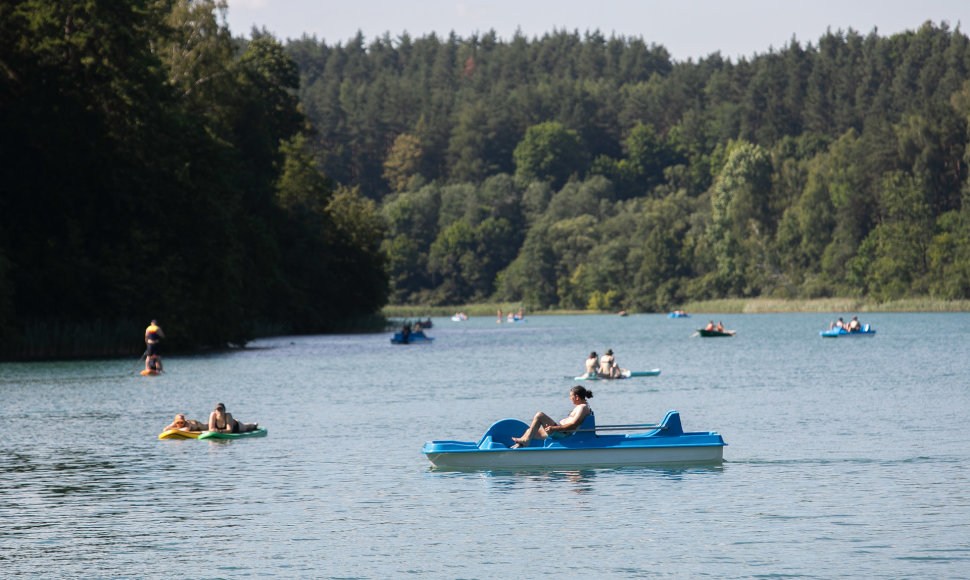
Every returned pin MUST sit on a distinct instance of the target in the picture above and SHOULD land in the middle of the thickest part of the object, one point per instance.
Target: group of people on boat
(407, 331)
(711, 326)
(852, 326)
(459, 316)
(604, 366)
(544, 426)
(219, 420)
(512, 316)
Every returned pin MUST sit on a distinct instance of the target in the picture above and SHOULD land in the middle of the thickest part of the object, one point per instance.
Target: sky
(688, 29)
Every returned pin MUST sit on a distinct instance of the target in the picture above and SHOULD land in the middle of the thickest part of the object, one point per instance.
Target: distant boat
(837, 332)
(624, 374)
(416, 337)
(678, 314)
(715, 333)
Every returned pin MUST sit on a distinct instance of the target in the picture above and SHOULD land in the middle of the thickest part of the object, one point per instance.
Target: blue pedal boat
(416, 337)
(837, 332)
(589, 446)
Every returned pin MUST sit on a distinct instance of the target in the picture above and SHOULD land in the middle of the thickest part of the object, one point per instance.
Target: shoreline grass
(828, 305)
(721, 306)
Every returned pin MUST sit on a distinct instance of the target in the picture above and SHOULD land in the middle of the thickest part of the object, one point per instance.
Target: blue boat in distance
(837, 332)
(415, 337)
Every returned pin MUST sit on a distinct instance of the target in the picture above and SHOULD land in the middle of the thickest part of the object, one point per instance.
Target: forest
(157, 166)
(582, 171)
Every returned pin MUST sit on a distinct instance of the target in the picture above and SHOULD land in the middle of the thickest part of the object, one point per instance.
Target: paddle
(142, 357)
(695, 334)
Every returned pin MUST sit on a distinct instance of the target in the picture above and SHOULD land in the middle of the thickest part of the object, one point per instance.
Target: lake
(846, 457)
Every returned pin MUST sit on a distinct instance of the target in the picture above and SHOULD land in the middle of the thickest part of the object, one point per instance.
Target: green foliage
(301, 187)
(549, 152)
(602, 300)
(403, 162)
(151, 170)
(227, 186)
(949, 257)
(892, 261)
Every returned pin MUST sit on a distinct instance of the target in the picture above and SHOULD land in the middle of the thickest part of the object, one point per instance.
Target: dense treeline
(583, 171)
(153, 167)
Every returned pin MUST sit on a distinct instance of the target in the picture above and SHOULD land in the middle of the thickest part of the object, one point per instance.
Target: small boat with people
(715, 330)
(589, 446)
(413, 337)
(712, 333)
(678, 314)
(624, 374)
(837, 332)
(852, 328)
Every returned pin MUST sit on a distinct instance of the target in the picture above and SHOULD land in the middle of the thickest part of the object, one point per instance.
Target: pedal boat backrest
(671, 426)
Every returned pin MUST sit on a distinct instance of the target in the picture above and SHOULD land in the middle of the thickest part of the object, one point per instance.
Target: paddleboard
(148, 372)
(179, 434)
(261, 432)
(623, 375)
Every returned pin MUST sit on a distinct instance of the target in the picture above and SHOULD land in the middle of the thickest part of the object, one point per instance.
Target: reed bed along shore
(724, 306)
(834, 305)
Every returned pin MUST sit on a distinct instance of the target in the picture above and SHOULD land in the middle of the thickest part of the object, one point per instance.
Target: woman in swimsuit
(221, 421)
(544, 426)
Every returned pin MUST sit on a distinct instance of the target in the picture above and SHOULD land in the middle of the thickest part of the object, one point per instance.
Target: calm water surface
(846, 457)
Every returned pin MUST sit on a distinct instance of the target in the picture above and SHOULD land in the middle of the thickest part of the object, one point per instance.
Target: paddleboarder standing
(153, 339)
